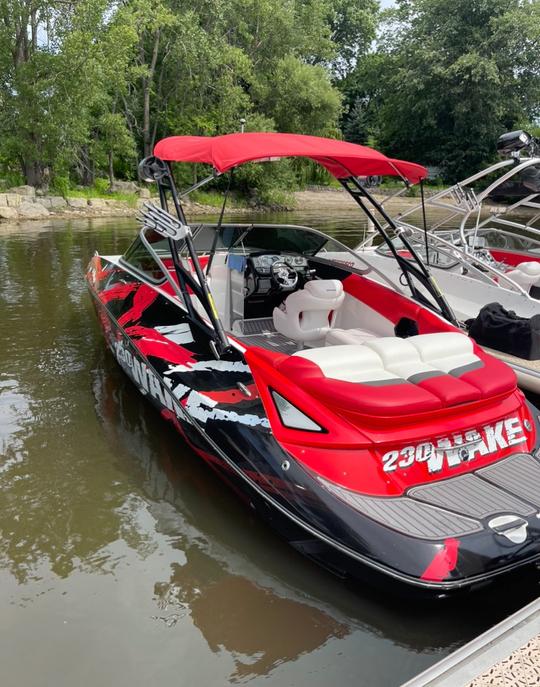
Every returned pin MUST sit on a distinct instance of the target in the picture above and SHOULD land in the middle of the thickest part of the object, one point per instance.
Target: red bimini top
(340, 158)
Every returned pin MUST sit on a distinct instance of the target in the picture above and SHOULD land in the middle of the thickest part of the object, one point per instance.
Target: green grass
(215, 199)
(412, 191)
(61, 186)
(91, 192)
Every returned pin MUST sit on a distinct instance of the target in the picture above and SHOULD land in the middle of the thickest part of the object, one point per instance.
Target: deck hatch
(519, 474)
(470, 495)
(405, 515)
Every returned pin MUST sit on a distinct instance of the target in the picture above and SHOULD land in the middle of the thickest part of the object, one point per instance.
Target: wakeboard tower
(354, 417)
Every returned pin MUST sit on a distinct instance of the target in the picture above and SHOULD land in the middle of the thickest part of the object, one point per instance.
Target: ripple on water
(15, 414)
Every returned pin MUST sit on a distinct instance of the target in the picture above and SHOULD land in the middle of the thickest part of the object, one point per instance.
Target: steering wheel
(283, 275)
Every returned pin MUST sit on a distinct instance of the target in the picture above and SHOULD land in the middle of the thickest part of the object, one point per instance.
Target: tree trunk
(34, 174)
(86, 167)
(146, 118)
(111, 168)
(147, 88)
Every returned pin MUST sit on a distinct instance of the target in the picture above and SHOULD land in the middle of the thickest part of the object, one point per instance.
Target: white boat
(493, 256)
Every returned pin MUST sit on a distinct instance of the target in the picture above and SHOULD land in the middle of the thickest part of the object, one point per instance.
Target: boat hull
(232, 434)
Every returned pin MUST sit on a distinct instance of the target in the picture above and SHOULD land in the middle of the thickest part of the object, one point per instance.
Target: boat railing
(527, 201)
(461, 200)
(487, 273)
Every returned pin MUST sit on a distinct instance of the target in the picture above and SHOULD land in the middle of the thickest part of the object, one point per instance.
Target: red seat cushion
(450, 390)
(388, 398)
(493, 378)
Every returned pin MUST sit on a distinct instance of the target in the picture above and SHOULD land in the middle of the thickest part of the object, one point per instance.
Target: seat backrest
(305, 315)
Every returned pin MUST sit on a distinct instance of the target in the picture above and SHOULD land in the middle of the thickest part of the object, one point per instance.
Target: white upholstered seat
(400, 357)
(306, 315)
(390, 357)
(349, 363)
(445, 351)
(526, 274)
(340, 337)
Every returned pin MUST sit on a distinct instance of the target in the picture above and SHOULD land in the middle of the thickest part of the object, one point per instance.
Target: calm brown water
(123, 561)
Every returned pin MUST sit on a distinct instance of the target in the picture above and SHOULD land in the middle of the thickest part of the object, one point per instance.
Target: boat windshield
(288, 239)
(249, 238)
(252, 238)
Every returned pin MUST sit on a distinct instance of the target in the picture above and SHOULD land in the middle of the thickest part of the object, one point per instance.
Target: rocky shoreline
(24, 203)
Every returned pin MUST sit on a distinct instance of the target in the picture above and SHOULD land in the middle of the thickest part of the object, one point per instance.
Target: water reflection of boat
(246, 619)
(238, 606)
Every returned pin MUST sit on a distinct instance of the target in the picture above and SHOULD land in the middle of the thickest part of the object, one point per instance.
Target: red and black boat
(355, 417)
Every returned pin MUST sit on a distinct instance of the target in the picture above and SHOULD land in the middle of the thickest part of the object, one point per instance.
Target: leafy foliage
(449, 78)
(88, 86)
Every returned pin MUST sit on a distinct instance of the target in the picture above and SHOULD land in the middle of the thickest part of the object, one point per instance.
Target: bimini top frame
(346, 161)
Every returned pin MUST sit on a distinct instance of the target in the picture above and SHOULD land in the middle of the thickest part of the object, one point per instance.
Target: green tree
(356, 127)
(451, 77)
(227, 59)
(352, 30)
(299, 97)
(85, 83)
(114, 139)
(49, 61)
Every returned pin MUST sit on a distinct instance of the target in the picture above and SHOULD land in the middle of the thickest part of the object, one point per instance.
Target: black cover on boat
(406, 327)
(503, 330)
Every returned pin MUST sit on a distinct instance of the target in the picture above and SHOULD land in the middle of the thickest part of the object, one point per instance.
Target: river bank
(328, 199)
(22, 204)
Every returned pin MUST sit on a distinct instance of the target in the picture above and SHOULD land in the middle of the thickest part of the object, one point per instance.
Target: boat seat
(526, 274)
(306, 315)
(457, 355)
(390, 376)
(337, 337)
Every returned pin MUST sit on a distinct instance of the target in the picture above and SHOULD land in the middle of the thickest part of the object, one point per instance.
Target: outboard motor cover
(503, 330)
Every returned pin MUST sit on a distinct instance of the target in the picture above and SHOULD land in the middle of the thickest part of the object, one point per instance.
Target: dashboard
(264, 290)
(263, 263)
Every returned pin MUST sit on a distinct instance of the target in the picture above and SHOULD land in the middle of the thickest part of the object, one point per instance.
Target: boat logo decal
(452, 451)
(186, 403)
